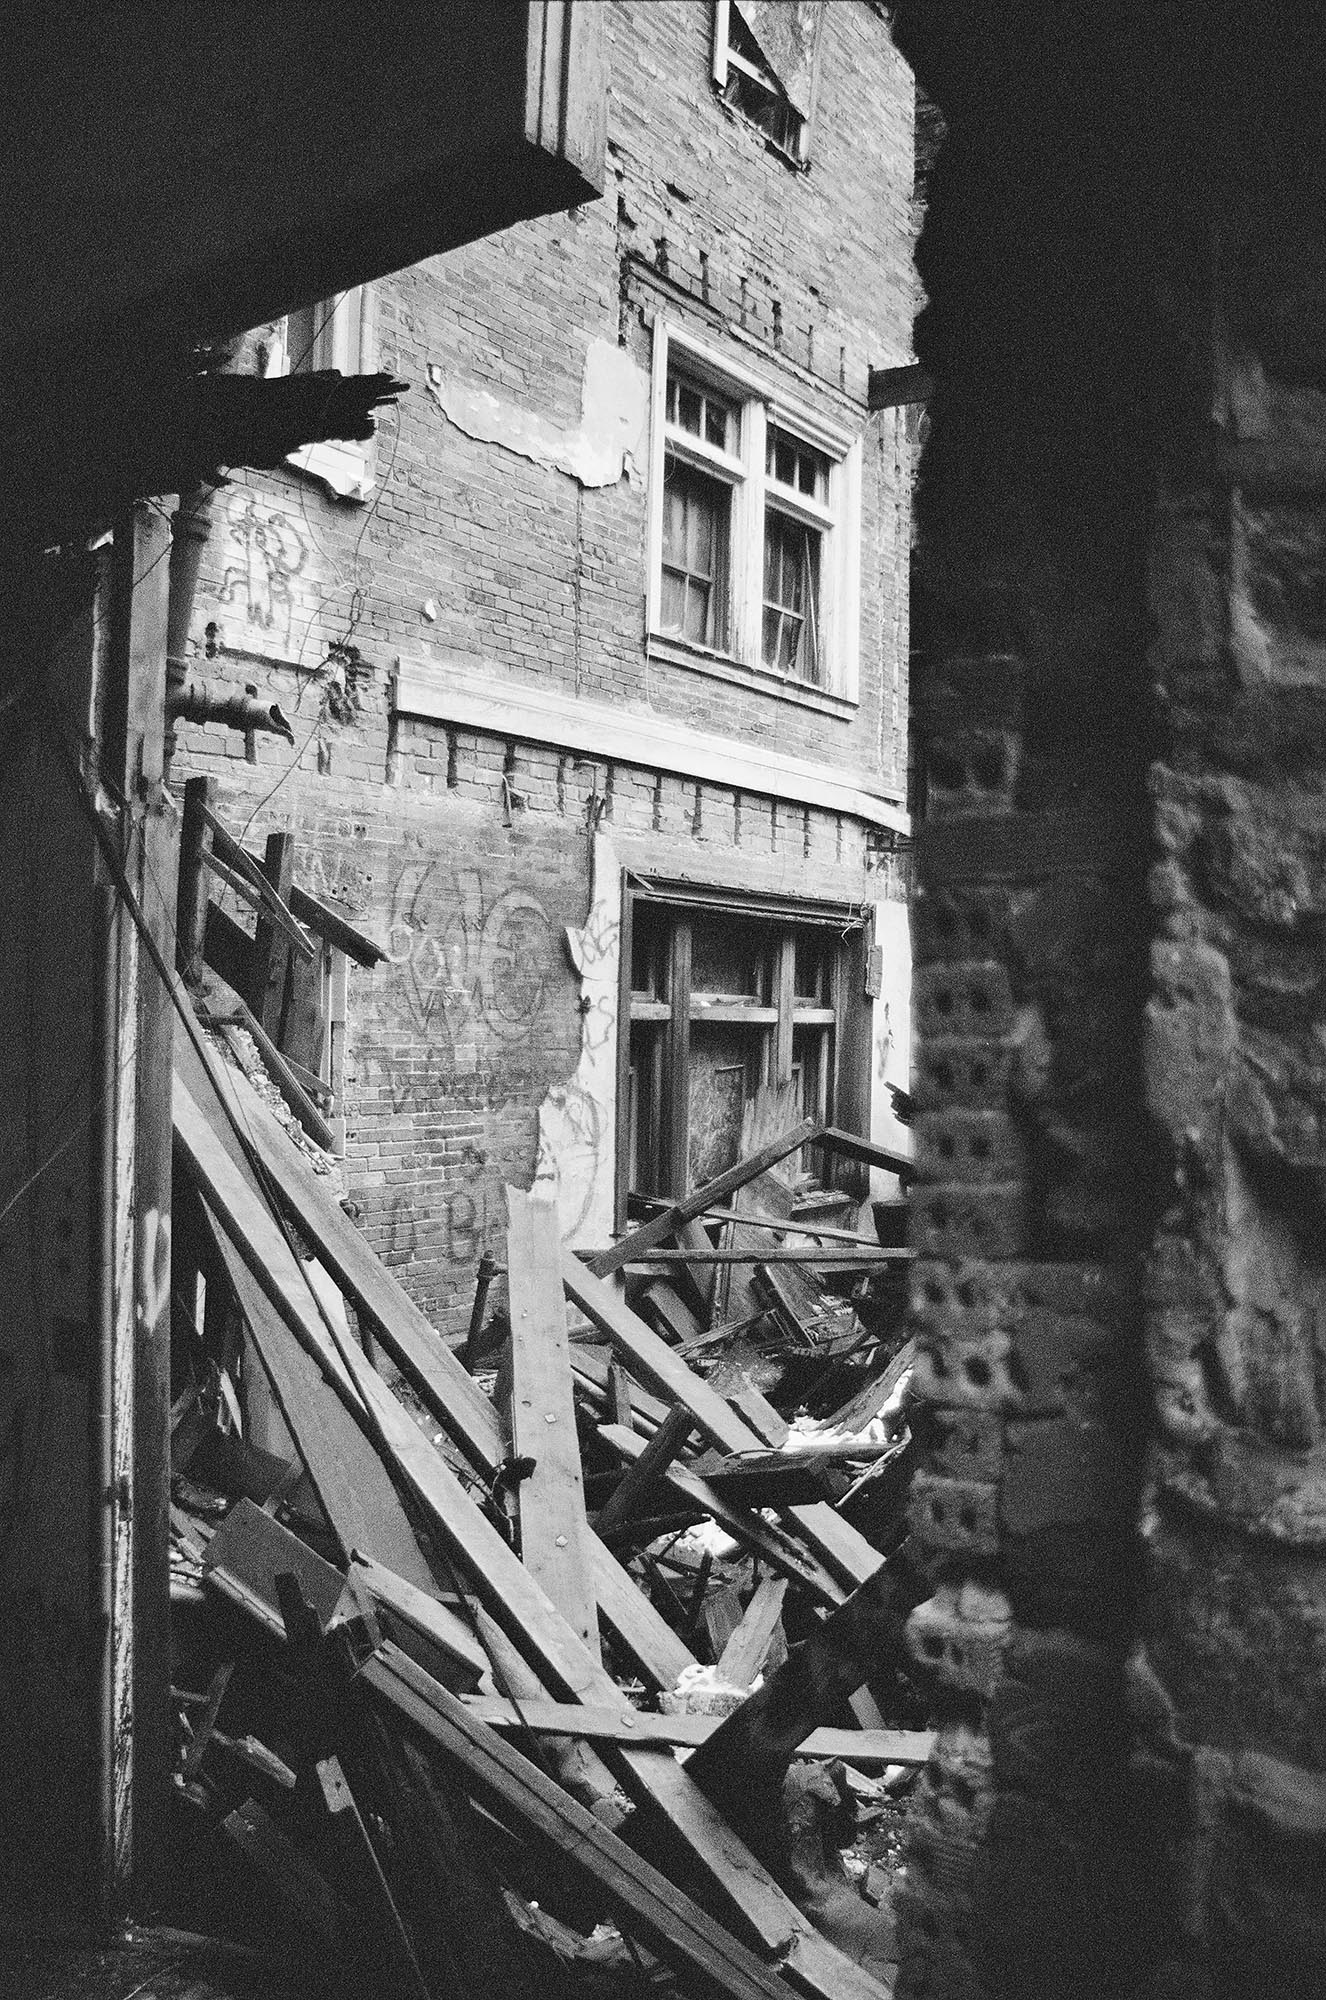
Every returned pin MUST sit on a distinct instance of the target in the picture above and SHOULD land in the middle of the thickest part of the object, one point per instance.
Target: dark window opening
(722, 1003)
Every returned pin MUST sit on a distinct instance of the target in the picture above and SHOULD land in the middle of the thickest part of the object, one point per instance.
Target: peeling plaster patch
(612, 435)
(577, 1119)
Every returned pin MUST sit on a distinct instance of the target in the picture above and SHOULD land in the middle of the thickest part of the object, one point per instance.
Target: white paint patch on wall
(612, 437)
(578, 1119)
(891, 1060)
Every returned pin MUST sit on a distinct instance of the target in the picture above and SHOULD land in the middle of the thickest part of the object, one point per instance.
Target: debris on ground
(580, 1663)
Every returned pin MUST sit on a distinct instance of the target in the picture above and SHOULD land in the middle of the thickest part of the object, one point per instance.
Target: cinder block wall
(464, 852)
(1120, 1004)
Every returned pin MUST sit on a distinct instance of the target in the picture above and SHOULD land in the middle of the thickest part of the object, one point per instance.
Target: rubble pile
(574, 1656)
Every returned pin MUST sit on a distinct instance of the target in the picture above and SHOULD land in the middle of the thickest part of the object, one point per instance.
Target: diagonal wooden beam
(660, 1227)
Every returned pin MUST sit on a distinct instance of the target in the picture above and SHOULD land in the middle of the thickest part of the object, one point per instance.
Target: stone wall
(1120, 1008)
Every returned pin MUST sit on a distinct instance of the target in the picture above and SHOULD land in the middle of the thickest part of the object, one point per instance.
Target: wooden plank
(869, 1750)
(619, 1393)
(785, 984)
(229, 850)
(337, 1003)
(749, 1895)
(304, 1033)
(676, 1094)
(291, 1089)
(347, 1838)
(204, 1723)
(652, 1359)
(353, 1487)
(761, 1537)
(755, 1409)
(789, 1226)
(833, 1257)
(769, 1113)
(331, 926)
(837, 1543)
(414, 1344)
(634, 1486)
(591, 1367)
(286, 1867)
(513, 1595)
(742, 1764)
(570, 1759)
(266, 993)
(867, 1403)
(250, 1550)
(851, 1147)
(691, 1236)
(658, 1652)
(660, 1227)
(497, 1576)
(669, 1314)
(551, 1499)
(466, 1658)
(135, 764)
(191, 895)
(747, 1649)
(705, 1956)
(720, 1612)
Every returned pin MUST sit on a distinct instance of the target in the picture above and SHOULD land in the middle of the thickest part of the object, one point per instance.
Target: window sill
(722, 667)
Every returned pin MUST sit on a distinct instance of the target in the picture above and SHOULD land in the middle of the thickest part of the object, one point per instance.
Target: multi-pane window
(701, 465)
(750, 84)
(796, 518)
(755, 524)
(721, 1003)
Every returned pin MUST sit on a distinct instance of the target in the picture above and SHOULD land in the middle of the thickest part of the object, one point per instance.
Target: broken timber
(660, 1227)
(869, 1749)
(733, 1880)
(648, 1905)
(550, 1498)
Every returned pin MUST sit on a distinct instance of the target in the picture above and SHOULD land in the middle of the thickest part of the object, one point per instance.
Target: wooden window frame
(764, 405)
(795, 150)
(842, 1017)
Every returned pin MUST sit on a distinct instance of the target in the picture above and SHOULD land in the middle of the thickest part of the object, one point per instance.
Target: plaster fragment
(611, 439)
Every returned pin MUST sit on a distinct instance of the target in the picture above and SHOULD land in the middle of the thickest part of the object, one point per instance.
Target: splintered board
(554, 1543)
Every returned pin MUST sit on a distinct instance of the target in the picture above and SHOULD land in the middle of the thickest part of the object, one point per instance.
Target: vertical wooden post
(337, 974)
(141, 1195)
(554, 1545)
(851, 1091)
(785, 968)
(270, 952)
(679, 1061)
(191, 901)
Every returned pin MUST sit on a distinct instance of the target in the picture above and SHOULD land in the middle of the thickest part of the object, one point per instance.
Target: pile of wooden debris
(498, 1679)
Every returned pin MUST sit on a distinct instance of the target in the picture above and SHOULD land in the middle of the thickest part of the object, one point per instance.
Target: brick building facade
(604, 636)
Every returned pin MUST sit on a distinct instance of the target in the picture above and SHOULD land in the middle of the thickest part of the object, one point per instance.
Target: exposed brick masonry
(464, 852)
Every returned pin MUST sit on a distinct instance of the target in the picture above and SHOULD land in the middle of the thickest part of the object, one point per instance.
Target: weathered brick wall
(466, 854)
(1121, 529)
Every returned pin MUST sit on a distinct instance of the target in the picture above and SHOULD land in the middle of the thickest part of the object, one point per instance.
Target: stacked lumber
(501, 1677)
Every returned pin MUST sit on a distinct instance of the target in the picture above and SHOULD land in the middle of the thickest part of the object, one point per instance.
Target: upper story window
(334, 333)
(754, 557)
(764, 67)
